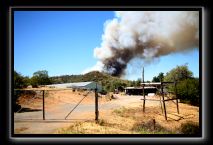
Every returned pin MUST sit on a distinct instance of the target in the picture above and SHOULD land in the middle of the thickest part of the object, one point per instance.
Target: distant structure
(142, 89)
(78, 85)
(139, 90)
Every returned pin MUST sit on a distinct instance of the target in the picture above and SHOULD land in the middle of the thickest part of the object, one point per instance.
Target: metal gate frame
(43, 101)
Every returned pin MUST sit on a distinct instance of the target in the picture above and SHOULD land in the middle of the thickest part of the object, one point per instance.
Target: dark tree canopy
(20, 81)
(188, 89)
(40, 78)
(179, 73)
(138, 82)
(158, 78)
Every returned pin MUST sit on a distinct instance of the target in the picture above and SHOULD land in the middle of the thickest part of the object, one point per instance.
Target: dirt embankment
(58, 97)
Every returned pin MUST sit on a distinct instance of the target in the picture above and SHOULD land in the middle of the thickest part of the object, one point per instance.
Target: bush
(103, 92)
(40, 78)
(188, 91)
(101, 122)
(20, 81)
(150, 127)
(190, 128)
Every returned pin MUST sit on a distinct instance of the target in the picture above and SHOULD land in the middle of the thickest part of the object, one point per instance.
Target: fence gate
(52, 104)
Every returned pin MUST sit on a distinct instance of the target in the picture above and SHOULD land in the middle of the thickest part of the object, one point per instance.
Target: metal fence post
(43, 106)
(96, 104)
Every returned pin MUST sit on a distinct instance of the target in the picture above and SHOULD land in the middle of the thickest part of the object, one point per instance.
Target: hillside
(108, 82)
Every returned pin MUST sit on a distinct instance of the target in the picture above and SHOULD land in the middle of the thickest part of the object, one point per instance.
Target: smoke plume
(145, 35)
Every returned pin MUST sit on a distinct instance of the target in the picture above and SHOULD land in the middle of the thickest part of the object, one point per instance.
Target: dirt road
(32, 123)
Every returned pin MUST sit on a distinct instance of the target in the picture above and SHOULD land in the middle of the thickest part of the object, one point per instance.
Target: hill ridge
(108, 82)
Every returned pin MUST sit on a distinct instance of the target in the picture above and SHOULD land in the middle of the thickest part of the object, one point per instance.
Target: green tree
(187, 86)
(34, 81)
(20, 81)
(138, 82)
(161, 76)
(40, 78)
(158, 78)
(178, 74)
(188, 91)
(133, 83)
(155, 79)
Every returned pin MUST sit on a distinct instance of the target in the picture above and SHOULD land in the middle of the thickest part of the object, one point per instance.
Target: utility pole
(142, 76)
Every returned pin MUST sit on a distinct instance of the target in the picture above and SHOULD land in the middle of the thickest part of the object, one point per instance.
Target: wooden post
(161, 105)
(43, 106)
(144, 98)
(154, 122)
(164, 106)
(96, 104)
(176, 97)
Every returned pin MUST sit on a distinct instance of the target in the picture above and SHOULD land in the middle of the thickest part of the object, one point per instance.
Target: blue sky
(63, 43)
(165, 64)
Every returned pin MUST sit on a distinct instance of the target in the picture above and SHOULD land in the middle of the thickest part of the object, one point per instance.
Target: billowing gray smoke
(146, 34)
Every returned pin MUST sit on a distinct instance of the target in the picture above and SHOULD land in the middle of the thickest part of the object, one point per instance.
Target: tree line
(188, 88)
(39, 78)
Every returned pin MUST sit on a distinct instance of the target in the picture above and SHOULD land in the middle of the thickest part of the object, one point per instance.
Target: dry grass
(134, 121)
(19, 130)
(126, 120)
(90, 127)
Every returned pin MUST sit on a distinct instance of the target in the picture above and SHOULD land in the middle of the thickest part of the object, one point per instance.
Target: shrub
(188, 89)
(150, 127)
(103, 92)
(20, 81)
(101, 122)
(190, 128)
(40, 78)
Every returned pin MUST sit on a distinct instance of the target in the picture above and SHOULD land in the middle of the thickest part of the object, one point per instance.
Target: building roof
(78, 84)
(84, 85)
(151, 83)
(130, 88)
(146, 87)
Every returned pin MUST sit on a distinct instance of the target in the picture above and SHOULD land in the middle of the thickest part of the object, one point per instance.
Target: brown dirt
(21, 129)
(134, 114)
(56, 97)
